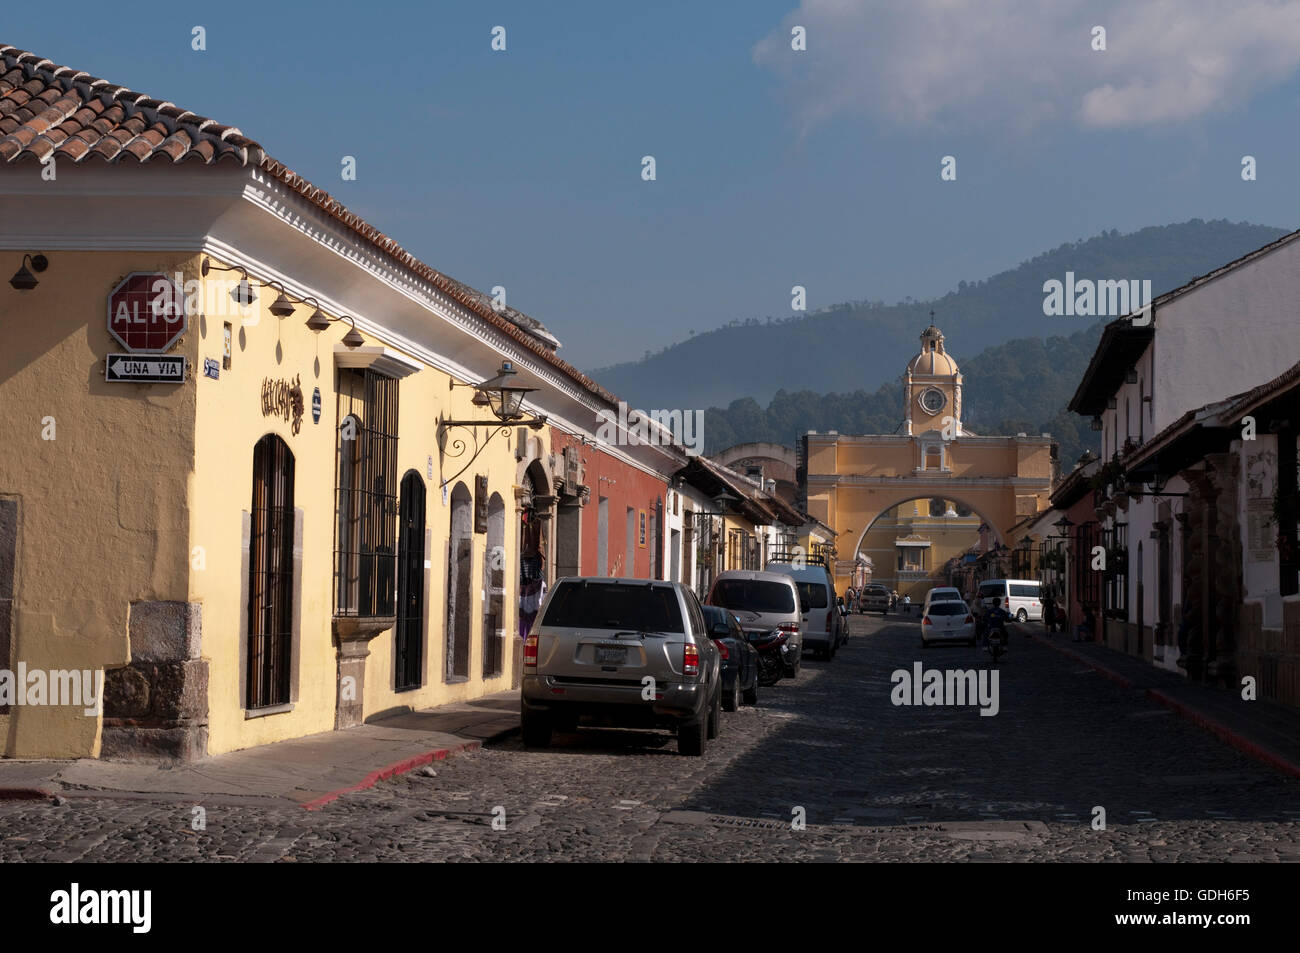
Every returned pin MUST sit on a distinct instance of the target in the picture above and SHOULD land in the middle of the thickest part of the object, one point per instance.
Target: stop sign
(146, 312)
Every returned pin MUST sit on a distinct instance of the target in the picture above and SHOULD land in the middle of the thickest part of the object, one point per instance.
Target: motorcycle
(997, 641)
(772, 647)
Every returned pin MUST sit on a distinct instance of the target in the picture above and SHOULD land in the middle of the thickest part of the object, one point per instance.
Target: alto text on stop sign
(146, 312)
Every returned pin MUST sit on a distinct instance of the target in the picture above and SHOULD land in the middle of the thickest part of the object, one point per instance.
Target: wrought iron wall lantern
(24, 280)
(721, 501)
(284, 304)
(505, 398)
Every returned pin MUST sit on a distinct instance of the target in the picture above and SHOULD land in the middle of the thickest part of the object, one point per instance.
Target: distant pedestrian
(1085, 630)
(907, 604)
(1049, 615)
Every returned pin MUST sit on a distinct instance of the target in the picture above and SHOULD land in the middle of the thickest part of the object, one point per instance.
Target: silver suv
(631, 652)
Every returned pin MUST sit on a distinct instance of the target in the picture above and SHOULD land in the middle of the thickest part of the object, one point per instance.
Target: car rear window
(989, 589)
(612, 605)
(812, 595)
(754, 595)
(947, 608)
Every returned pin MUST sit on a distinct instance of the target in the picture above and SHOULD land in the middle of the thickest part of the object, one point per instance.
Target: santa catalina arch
(945, 481)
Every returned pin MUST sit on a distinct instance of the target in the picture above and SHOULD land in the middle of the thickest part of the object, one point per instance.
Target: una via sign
(155, 369)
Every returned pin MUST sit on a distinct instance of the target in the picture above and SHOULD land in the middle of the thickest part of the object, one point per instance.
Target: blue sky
(775, 167)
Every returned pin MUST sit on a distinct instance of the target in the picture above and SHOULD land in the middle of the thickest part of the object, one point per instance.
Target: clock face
(933, 400)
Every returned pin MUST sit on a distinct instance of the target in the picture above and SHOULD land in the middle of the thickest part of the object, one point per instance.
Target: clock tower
(932, 387)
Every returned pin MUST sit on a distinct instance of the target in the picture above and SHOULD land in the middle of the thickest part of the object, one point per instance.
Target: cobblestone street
(875, 781)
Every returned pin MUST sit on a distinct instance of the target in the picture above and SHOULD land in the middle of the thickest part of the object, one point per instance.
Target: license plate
(608, 656)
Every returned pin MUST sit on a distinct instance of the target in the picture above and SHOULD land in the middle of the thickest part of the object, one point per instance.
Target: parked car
(943, 594)
(947, 621)
(631, 652)
(739, 658)
(763, 602)
(876, 598)
(1023, 598)
(823, 626)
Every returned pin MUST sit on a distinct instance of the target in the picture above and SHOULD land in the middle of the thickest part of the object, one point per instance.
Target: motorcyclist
(996, 617)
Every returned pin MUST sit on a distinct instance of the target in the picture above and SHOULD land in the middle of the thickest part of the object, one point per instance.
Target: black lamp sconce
(284, 304)
(23, 279)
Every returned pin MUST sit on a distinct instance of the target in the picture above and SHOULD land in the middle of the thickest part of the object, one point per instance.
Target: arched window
(408, 634)
(270, 575)
(494, 571)
(460, 606)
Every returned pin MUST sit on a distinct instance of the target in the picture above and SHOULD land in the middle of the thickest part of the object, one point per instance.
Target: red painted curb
(392, 770)
(1225, 734)
(25, 794)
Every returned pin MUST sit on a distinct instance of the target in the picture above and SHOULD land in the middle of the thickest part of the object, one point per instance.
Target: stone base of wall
(156, 708)
(1126, 637)
(1270, 656)
(140, 743)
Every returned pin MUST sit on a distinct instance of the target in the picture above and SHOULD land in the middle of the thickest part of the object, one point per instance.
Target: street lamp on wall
(505, 398)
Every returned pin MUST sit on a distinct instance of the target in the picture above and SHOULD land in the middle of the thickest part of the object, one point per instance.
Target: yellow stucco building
(245, 482)
(910, 501)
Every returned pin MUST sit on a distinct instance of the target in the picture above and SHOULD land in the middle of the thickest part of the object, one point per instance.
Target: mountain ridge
(716, 367)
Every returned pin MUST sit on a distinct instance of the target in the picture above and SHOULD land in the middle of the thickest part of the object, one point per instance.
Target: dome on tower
(933, 360)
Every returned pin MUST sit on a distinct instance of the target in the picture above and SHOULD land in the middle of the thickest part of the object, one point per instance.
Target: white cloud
(1009, 63)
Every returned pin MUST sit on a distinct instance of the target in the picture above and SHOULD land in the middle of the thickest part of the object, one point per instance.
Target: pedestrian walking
(1049, 615)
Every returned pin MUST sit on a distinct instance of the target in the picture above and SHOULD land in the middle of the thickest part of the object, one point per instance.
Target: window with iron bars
(365, 550)
(1087, 581)
(1116, 576)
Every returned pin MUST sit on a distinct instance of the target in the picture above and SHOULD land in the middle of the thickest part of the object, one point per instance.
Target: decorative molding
(377, 358)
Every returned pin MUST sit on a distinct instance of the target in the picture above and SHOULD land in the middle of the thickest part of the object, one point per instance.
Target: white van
(1023, 598)
(823, 626)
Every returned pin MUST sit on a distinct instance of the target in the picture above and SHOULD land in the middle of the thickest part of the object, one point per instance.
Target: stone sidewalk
(1264, 730)
(309, 772)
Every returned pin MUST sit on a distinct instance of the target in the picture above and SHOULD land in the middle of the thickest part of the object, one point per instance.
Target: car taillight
(926, 621)
(828, 622)
(530, 653)
(691, 661)
(790, 628)
(722, 649)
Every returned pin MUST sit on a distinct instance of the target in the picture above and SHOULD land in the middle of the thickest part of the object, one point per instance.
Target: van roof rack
(789, 556)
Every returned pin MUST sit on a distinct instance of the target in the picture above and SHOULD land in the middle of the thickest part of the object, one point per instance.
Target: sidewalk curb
(402, 767)
(26, 794)
(1225, 734)
(1192, 715)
